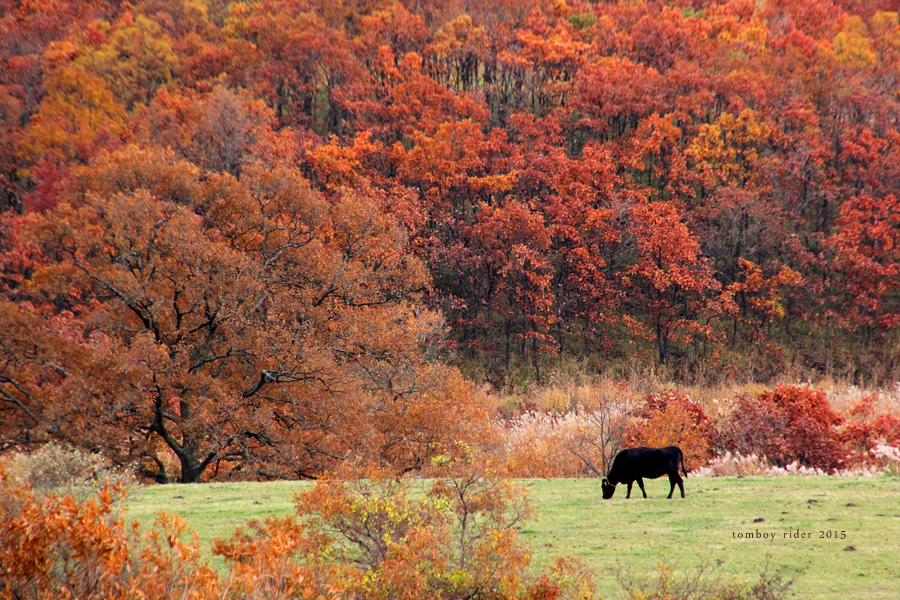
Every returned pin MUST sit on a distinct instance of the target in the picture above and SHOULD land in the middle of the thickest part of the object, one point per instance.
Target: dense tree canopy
(232, 232)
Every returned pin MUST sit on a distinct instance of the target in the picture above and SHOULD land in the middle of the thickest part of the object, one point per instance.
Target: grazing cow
(634, 464)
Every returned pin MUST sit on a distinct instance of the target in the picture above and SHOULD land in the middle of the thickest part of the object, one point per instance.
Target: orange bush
(56, 547)
(673, 419)
(377, 539)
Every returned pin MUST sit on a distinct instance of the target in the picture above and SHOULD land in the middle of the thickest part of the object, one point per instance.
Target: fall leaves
(251, 236)
(232, 324)
(377, 537)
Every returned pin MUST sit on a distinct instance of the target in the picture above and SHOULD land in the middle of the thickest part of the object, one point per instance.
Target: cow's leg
(641, 484)
(673, 479)
(628, 495)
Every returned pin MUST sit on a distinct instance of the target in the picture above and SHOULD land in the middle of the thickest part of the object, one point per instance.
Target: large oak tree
(259, 330)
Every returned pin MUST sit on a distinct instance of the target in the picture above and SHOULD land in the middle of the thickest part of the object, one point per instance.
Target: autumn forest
(253, 239)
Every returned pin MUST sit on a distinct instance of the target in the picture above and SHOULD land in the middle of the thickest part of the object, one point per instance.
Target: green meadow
(839, 537)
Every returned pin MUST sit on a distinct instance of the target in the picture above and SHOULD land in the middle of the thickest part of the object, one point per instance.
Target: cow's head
(608, 489)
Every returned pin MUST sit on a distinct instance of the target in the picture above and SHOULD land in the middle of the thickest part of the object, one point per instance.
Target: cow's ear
(604, 482)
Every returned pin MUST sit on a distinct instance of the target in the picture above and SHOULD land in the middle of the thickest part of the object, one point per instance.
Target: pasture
(842, 533)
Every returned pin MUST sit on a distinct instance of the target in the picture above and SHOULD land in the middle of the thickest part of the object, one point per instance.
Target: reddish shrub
(788, 424)
(661, 402)
(864, 430)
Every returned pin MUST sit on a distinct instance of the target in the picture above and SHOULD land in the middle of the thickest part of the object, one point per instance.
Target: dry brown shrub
(579, 441)
(65, 470)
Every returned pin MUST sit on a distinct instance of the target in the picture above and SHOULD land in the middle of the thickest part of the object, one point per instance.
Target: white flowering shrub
(887, 458)
(733, 465)
(737, 465)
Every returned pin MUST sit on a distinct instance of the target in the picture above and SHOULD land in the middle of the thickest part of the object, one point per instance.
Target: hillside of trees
(255, 238)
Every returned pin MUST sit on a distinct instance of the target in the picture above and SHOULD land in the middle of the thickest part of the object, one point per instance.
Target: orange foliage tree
(866, 249)
(252, 326)
(613, 180)
(674, 294)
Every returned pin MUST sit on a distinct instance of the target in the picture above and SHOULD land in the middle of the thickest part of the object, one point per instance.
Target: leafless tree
(599, 438)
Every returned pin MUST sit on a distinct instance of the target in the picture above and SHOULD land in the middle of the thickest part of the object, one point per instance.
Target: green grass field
(791, 515)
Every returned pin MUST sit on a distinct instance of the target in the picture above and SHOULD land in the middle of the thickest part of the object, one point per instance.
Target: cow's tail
(681, 458)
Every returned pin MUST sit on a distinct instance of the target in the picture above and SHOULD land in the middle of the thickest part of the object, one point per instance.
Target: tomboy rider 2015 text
(790, 534)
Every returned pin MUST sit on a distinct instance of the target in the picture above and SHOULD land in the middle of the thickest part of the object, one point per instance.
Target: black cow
(634, 464)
